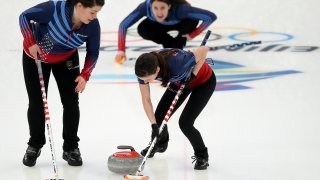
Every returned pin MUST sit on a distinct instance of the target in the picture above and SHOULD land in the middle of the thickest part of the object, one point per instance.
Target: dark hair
(147, 64)
(88, 3)
(169, 2)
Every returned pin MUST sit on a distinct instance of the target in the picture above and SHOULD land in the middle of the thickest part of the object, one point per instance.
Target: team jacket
(57, 32)
(180, 63)
(177, 12)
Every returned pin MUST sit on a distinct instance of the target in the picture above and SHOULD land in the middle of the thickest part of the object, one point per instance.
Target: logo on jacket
(82, 35)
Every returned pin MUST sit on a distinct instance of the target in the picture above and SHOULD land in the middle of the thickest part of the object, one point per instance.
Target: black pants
(199, 97)
(157, 32)
(70, 99)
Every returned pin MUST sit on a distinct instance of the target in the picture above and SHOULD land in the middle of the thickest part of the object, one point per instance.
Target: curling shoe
(160, 147)
(201, 163)
(31, 155)
(73, 157)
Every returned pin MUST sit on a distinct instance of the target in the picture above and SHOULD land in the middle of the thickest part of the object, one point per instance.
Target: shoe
(73, 157)
(30, 158)
(201, 163)
(160, 147)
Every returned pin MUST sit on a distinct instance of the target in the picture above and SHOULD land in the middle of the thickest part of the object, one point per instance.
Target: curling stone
(125, 162)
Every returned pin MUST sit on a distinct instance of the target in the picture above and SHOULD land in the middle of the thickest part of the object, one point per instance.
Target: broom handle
(45, 106)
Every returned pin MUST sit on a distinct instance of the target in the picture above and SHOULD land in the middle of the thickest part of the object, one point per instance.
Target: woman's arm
(131, 19)
(200, 55)
(92, 49)
(146, 101)
(40, 13)
(207, 18)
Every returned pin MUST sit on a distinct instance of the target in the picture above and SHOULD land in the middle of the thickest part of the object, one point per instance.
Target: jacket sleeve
(92, 48)
(131, 19)
(205, 16)
(40, 13)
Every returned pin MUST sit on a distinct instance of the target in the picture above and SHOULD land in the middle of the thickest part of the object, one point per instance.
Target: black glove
(155, 131)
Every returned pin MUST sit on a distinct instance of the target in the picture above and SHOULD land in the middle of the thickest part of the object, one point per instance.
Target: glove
(155, 131)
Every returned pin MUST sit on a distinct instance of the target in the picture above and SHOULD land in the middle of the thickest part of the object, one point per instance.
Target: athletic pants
(70, 100)
(156, 32)
(199, 97)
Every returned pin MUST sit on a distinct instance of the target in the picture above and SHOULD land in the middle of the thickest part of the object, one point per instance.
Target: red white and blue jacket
(180, 64)
(57, 30)
(176, 13)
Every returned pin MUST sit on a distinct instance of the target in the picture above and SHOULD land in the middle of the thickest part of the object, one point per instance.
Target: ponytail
(163, 73)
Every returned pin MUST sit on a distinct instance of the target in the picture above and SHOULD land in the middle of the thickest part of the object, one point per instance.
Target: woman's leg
(155, 32)
(65, 77)
(186, 26)
(161, 111)
(35, 112)
(158, 33)
(196, 103)
(164, 104)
